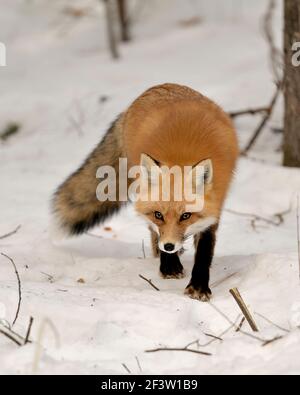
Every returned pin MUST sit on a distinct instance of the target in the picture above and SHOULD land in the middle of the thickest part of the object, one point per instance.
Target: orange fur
(175, 125)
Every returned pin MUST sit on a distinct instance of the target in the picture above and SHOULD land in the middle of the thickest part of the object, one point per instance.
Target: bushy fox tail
(75, 204)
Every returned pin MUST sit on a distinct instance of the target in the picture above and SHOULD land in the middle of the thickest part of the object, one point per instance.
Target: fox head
(173, 214)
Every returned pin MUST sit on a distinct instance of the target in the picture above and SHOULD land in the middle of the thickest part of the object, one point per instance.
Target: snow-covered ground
(57, 76)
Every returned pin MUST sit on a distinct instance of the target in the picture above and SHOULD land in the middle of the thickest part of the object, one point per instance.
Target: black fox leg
(198, 287)
(170, 265)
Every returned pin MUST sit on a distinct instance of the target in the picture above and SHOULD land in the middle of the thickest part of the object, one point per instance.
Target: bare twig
(11, 337)
(235, 325)
(277, 221)
(28, 331)
(15, 337)
(143, 248)
(249, 111)
(254, 217)
(264, 342)
(273, 323)
(213, 336)
(280, 216)
(267, 342)
(276, 56)
(179, 349)
(149, 282)
(240, 325)
(10, 130)
(138, 364)
(242, 305)
(126, 368)
(217, 283)
(19, 287)
(264, 121)
(194, 342)
(10, 233)
(50, 277)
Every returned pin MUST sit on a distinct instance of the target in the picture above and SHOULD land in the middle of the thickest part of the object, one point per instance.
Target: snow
(89, 287)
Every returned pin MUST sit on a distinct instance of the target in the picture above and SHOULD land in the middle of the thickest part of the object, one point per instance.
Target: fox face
(176, 220)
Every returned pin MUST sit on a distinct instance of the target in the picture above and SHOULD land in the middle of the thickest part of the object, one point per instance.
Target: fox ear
(206, 168)
(149, 166)
(148, 162)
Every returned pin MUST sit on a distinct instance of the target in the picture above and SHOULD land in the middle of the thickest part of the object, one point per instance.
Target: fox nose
(169, 247)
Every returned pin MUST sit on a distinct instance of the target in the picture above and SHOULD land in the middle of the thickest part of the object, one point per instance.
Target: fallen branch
(149, 282)
(239, 300)
(280, 216)
(10, 336)
(10, 130)
(264, 121)
(50, 277)
(235, 325)
(138, 364)
(254, 218)
(13, 336)
(249, 111)
(19, 287)
(126, 368)
(266, 343)
(179, 349)
(277, 221)
(213, 336)
(217, 337)
(10, 233)
(241, 325)
(217, 283)
(28, 330)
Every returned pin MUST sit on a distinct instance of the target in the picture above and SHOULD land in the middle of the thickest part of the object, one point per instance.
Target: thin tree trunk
(124, 21)
(112, 39)
(291, 85)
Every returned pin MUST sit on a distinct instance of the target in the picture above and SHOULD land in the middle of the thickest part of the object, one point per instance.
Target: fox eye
(185, 216)
(158, 215)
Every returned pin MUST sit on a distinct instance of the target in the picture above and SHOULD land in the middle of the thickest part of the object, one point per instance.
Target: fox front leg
(198, 287)
(170, 265)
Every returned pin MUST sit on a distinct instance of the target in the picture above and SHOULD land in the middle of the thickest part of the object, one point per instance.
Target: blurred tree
(111, 31)
(291, 85)
(124, 21)
(116, 13)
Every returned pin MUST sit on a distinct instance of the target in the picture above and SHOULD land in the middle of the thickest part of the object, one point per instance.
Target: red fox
(169, 125)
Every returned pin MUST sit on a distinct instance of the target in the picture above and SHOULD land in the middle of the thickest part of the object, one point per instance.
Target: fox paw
(198, 293)
(172, 268)
(176, 275)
